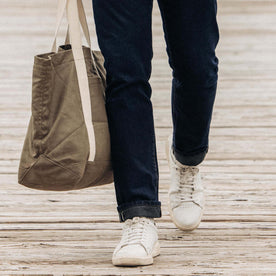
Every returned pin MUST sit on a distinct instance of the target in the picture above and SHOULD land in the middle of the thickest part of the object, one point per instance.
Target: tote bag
(67, 144)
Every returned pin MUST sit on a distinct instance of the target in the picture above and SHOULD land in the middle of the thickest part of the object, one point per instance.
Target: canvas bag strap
(84, 25)
(73, 18)
(60, 11)
(83, 21)
(82, 18)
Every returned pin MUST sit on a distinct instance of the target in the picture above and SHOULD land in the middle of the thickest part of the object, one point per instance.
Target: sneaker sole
(168, 143)
(127, 261)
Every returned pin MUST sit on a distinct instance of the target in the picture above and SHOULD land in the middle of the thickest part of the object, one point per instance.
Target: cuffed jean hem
(192, 160)
(140, 209)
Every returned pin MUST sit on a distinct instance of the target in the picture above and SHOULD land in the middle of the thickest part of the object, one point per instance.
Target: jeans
(124, 31)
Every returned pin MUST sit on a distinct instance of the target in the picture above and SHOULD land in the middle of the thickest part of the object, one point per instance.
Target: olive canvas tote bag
(67, 144)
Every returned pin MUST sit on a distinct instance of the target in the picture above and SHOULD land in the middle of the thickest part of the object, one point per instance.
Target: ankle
(189, 160)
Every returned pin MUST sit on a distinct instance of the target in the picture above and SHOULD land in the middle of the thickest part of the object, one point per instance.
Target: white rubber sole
(127, 261)
(168, 144)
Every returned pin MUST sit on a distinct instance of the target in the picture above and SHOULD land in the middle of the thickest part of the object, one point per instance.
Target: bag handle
(75, 16)
(82, 19)
(60, 11)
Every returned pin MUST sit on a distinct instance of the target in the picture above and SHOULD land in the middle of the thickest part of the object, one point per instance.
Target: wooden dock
(74, 233)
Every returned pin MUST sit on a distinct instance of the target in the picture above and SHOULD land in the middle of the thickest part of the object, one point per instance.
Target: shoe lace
(134, 230)
(186, 180)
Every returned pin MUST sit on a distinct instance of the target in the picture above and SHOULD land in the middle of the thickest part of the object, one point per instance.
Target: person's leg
(124, 34)
(191, 34)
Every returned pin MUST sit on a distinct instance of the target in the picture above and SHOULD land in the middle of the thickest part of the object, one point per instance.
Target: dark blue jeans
(124, 31)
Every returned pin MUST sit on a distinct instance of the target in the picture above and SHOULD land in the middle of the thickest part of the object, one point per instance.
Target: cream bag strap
(75, 15)
(82, 18)
(84, 25)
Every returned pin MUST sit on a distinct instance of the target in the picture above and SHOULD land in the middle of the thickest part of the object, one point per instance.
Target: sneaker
(139, 243)
(186, 192)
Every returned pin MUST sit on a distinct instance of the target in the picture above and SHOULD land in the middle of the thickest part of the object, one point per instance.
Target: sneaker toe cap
(187, 217)
(131, 251)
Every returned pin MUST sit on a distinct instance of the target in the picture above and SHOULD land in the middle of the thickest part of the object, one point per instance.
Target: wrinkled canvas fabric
(56, 147)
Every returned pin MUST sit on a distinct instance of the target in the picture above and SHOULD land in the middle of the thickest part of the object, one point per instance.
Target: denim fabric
(124, 31)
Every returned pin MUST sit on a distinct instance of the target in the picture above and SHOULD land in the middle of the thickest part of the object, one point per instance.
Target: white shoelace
(134, 231)
(186, 181)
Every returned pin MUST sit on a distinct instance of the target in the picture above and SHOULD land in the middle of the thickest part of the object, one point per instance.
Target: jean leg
(191, 34)
(125, 38)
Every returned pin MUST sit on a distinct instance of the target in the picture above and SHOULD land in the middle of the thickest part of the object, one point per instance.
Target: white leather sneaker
(139, 243)
(186, 192)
